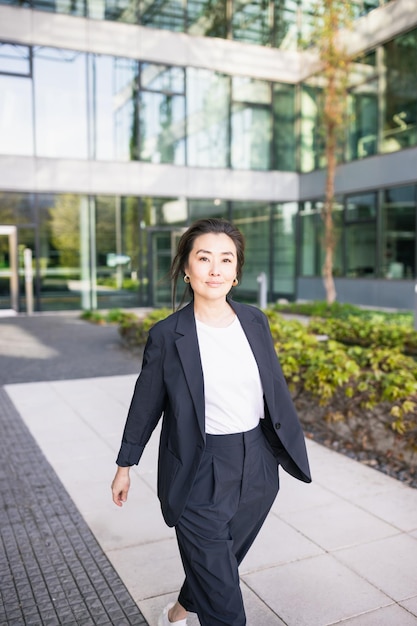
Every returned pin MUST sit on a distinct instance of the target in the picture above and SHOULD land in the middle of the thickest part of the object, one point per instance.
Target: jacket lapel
(189, 354)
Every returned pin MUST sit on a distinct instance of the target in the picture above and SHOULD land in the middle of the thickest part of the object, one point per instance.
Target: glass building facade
(108, 156)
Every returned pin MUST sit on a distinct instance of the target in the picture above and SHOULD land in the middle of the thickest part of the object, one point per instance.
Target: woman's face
(212, 266)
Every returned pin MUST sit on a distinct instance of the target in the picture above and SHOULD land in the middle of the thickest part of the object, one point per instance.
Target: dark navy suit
(215, 489)
(171, 383)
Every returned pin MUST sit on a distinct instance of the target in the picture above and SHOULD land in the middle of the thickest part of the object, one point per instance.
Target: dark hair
(185, 245)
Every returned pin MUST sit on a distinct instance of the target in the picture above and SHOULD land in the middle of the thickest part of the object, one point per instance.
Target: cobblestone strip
(52, 570)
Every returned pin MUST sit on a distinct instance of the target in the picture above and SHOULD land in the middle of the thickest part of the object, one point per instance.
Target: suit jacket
(171, 384)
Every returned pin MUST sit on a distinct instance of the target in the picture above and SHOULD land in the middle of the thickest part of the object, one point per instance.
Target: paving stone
(53, 571)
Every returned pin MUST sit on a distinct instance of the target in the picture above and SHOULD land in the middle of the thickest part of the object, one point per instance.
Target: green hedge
(367, 333)
(339, 310)
(134, 331)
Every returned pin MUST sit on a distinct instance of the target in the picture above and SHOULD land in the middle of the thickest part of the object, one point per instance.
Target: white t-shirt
(232, 385)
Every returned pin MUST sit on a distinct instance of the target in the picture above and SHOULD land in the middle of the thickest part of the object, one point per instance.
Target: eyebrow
(209, 252)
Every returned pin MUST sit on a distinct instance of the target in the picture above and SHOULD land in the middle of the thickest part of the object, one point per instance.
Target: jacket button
(277, 425)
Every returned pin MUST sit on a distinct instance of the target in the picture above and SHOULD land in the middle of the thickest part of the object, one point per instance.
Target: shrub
(353, 390)
(367, 333)
(134, 330)
(339, 310)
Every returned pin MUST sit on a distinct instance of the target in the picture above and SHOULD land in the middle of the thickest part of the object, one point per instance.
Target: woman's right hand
(120, 485)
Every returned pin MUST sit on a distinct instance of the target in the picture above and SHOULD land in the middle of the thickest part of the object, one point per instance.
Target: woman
(211, 370)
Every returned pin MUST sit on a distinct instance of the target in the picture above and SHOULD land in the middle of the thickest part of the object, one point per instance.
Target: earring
(187, 279)
(235, 282)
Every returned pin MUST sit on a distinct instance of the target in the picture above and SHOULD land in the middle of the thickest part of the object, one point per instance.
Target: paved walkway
(342, 550)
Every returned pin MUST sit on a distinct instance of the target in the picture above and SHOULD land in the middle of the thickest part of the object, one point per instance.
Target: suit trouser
(234, 489)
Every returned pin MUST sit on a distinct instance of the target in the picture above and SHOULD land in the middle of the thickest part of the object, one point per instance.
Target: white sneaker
(163, 618)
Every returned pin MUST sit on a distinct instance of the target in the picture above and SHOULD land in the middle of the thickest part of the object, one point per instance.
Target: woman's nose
(214, 270)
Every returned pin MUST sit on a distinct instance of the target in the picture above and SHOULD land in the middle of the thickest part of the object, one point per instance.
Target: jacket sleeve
(147, 404)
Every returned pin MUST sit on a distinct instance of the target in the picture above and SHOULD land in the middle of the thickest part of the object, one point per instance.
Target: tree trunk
(327, 214)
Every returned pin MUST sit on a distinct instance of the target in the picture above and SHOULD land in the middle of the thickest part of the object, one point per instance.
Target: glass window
(117, 251)
(361, 207)
(400, 114)
(207, 18)
(360, 235)
(311, 137)
(251, 21)
(207, 118)
(399, 233)
(208, 208)
(162, 115)
(115, 10)
(363, 131)
(309, 218)
(16, 123)
(253, 219)
(361, 250)
(283, 249)
(165, 211)
(363, 108)
(113, 100)
(69, 7)
(284, 127)
(15, 59)
(307, 19)
(285, 27)
(251, 124)
(60, 84)
(162, 78)
(165, 14)
(63, 233)
(16, 208)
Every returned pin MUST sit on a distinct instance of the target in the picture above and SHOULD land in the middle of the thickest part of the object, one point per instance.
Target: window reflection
(162, 114)
(69, 7)
(398, 233)
(251, 21)
(253, 219)
(311, 132)
(400, 123)
(207, 18)
(204, 208)
(286, 20)
(284, 127)
(16, 208)
(251, 124)
(15, 59)
(60, 253)
(60, 86)
(117, 251)
(16, 124)
(165, 14)
(363, 108)
(361, 235)
(207, 118)
(283, 248)
(113, 105)
(114, 10)
(309, 216)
